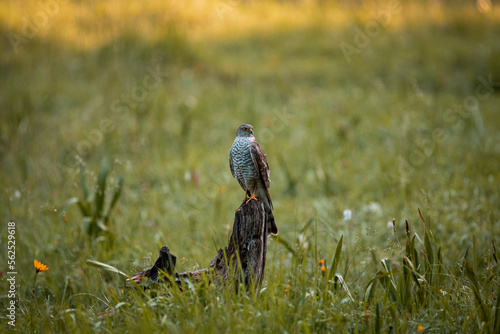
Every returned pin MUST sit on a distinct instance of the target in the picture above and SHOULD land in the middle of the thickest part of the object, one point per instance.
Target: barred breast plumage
(244, 168)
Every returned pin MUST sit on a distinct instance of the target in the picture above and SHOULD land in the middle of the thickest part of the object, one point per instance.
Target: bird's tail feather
(271, 225)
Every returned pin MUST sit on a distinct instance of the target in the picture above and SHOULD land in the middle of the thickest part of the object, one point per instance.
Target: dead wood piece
(165, 263)
(242, 261)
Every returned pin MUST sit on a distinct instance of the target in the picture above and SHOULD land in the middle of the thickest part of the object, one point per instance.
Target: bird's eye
(245, 129)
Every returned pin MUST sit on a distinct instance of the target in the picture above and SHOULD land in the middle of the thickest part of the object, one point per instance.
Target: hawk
(249, 167)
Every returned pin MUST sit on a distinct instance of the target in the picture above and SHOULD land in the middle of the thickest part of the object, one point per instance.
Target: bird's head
(246, 130)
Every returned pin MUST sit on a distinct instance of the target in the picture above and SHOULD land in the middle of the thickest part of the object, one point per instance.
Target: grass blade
(469, 272)
(336, 258)
(414, 253)
(106, 267)
(422, 218)
(429, 254)
(116, 193)
(100, 189)
(68, 203)
(84, 209)
(306, 226)
(494, 252)
(83, 184)
(464, 258)
(378, 320)
(344, 286)
(389, 283)
(380, 275)
(371, 293)
(496, 328)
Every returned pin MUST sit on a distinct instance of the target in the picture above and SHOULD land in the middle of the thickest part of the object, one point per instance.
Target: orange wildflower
(39, 266)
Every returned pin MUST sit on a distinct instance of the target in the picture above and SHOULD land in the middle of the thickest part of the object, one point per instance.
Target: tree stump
(242, 261)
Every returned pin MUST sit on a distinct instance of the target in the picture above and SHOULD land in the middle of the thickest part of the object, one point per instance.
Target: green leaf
(464, 258)
(428, 249)
(344, 286)
(84, 208)
(83, 184)
(116, 193)
(405, 283)
(414, 253)
(106, 267)
(86, 223)
(69, 202)
(408, 241)
(389, 284)
(336, 258)
(386, 263)
(378, 320)
(101, 225)
(402, 289)
(430, 258)
(100, 190)
(385, 281)
(372, 286)
(439, 268)
(494, 252)
(306, 226)
(409, 266)
(422, 218)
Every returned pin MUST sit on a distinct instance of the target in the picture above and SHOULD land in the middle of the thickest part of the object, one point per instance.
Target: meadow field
(116, 119)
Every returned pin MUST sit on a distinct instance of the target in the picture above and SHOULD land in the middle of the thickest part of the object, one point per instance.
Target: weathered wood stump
(242, 261)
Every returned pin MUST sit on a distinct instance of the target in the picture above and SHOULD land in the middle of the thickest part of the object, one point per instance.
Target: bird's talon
(251, 198)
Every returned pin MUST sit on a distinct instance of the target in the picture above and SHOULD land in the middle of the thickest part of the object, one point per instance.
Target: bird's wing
(260, 162)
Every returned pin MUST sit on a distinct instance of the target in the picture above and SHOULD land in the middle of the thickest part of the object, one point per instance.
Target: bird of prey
(249, 167)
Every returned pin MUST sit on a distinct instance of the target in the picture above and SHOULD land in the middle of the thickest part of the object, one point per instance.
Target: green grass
(380, 135)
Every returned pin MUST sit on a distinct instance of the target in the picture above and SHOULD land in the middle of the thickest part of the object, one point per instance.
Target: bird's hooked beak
(251, 131)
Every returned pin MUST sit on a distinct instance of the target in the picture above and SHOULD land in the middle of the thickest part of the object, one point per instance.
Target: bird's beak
(251, 131)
